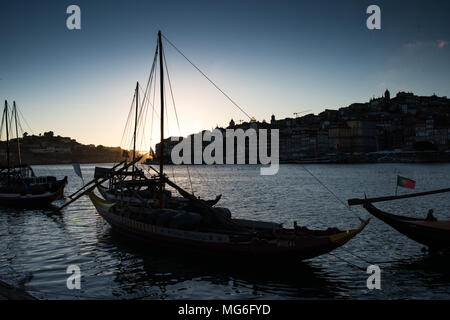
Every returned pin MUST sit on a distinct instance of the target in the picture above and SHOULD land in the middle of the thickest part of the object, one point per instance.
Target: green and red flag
(405, 182)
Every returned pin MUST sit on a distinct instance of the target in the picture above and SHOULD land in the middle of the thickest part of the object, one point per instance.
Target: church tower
(387, 95)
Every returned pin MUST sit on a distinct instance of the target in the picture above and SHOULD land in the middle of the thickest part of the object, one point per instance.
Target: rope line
(330, 191)
(176, 113)
(212, 82)
(356, 256)
(349, 263)
(26, 122)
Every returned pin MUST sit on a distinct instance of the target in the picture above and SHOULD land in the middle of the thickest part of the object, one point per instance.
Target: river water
(36, 247)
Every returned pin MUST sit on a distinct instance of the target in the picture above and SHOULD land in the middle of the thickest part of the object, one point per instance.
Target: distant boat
(429, 232)
(19, 186)
(195, 224)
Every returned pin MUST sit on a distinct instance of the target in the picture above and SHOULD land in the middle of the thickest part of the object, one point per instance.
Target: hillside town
(50, 149)
(405, 128)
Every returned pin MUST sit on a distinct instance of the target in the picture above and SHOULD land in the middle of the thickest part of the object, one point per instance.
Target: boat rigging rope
(389, 272)
(124, 140)
(1, 127)
(176, 114)
(145, 101)
(202, 73)
(356, 256)
(242, 110)
(358, 267)
(153, 112)
(349, 263)
(143, 118)
(150, 77)
(330, 191)
(171, 93)
(26, 122)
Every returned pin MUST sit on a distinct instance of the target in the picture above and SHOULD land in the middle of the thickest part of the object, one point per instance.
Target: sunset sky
(271, 57)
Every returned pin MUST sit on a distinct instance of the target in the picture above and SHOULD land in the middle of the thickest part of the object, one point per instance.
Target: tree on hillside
(49, 134)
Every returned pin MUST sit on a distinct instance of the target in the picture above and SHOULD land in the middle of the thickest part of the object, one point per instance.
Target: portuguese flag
(405, 182)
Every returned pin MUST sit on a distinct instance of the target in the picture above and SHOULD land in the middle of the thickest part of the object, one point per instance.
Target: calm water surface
(36, 247)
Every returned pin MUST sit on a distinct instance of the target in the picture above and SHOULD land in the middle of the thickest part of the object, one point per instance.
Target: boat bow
(343, 237)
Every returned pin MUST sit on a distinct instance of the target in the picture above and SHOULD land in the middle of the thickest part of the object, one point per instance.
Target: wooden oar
(93, 180)
(355, 202)
(97, 182)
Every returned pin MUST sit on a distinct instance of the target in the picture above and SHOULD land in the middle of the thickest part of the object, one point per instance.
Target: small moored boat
(19, 185)
(429, 231)
(434, 234)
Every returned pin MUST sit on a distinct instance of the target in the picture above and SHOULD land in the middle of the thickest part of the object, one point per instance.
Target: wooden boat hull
(434, 234)
(219, 244)
(33, 200)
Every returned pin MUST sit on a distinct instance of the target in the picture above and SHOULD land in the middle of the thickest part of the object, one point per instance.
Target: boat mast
(135, 122)
(161, 145)
(17, 134)
(5, 114)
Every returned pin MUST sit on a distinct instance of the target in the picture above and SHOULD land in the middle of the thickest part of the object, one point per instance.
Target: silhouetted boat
(184, 230)
(199, 226)
(132, 187)
(434, 234)
(430, 232)
(146, 197)
(19, 186)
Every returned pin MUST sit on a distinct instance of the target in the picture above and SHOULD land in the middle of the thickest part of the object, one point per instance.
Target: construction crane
(301, 112)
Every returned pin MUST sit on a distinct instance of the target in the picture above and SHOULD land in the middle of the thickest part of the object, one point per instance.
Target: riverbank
(367, 157)
(379, 157)
(339, 158)
(50, 149)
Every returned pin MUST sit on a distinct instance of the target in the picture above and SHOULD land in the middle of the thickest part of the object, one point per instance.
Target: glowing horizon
(275, 58)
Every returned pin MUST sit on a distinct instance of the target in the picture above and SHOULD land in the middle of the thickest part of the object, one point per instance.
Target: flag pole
(396, 187)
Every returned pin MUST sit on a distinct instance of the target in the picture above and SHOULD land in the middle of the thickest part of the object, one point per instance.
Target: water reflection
(36, 247)
(429, 270)
(162, 269)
